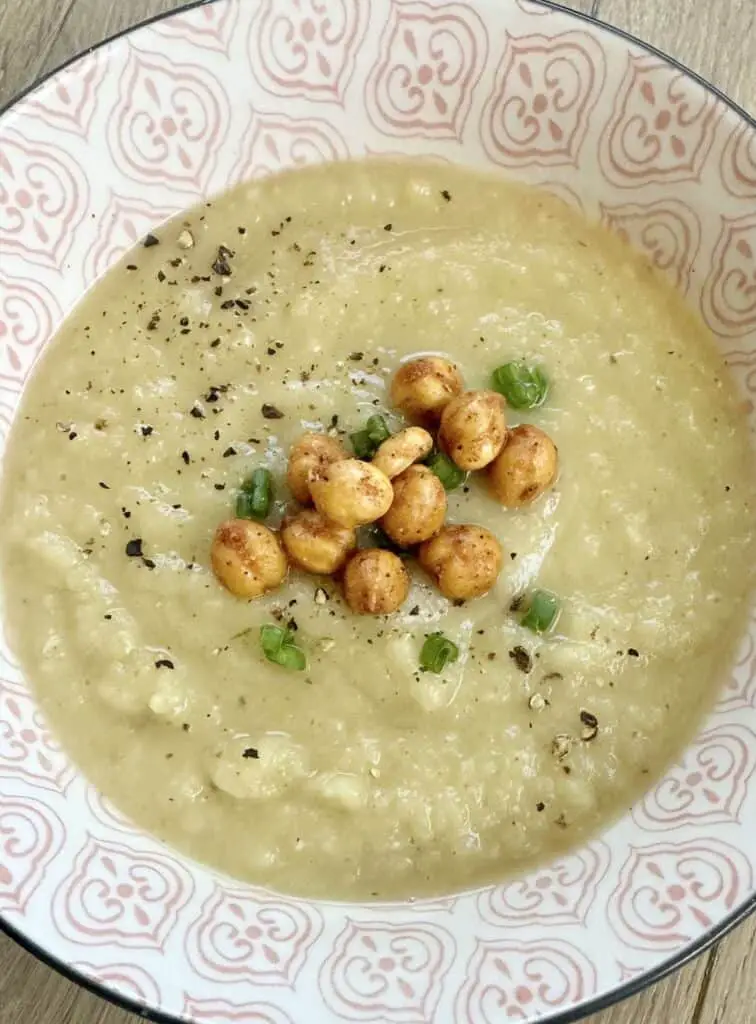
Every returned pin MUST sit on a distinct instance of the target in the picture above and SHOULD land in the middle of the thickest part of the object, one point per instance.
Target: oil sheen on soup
(287, 305)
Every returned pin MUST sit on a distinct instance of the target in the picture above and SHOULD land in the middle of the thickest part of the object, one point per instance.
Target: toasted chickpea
(247, 558)
(463, 560)
(312, 452)
(422, 388)
(525, 467)
(351, 493)
(403, 449)
(375, 582)
(473, 429)
(315, 544)
(418, 509)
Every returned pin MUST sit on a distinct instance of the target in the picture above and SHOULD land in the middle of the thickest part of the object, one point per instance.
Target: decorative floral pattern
(668, 231)
(117, 896)
(662, 129)
(387, 972)
(560, 893)
(431, 57)
(106, 150)
(245, 935)
(522, 981)
(546, 88)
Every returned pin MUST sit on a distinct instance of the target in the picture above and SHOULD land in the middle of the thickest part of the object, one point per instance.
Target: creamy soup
(288, 304)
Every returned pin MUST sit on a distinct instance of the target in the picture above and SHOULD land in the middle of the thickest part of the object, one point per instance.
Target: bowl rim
(634, 986)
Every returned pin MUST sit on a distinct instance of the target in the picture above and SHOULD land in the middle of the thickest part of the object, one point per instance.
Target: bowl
(150, 123)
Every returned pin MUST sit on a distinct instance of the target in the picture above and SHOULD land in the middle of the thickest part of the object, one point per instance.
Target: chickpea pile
(395, 490)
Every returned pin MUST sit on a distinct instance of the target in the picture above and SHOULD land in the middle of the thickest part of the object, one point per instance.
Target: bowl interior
(153, 122)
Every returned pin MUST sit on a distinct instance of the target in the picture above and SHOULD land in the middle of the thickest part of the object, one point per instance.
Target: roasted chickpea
(418, 509)
(402, 450)
(312, 452)
(464, 561)
(315, 544)
(247, 558)
(473, 429)
(525, 467)
(375, 582)
(351, 493)
(422, 388)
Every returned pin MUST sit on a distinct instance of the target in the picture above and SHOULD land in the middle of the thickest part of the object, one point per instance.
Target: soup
(287, 305)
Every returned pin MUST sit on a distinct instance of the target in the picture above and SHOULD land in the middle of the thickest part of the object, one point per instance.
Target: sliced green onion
(543, 611)
(524, 387)
(279, 647)
(367, 442)
(438, 652)
(450, 475)
(255, 496)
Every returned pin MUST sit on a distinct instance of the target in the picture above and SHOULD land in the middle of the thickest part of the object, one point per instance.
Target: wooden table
(716, 38)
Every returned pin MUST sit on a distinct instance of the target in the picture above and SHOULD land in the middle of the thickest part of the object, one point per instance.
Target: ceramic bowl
(152, 122)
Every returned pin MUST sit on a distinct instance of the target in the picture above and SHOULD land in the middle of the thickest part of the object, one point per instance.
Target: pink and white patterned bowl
(152, 122)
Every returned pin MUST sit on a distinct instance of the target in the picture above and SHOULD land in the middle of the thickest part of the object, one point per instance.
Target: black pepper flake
(633, 653)
(590, 726)
(540, 806)
(104, 486)
(146, 430)
(161, 276)
(446, 194)
(186, 727)
(164, 663)
(242, 231)
(176, 262)
(186, 457)
(219, 487)
(229, 452)
(228, 304)
(184, 321)
(270, 412)
(242, 304)
(415, 610)
(132, 266)
(134, 548)
(154, 321)
(148, 563)
(197, 412)
(72, 435)
(516, 603)
(251, 752)
(388, 227)
(150, 240)
(521, 657)
(215, 343)
(356, 357)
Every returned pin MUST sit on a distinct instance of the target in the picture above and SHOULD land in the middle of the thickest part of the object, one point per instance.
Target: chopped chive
(543, 611)
(278, 646)
(255, 496)
(450, 475)
(366, 442)
(438, 652)
(524, 387)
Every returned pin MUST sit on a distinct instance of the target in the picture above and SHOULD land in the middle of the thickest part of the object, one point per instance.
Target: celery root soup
(377, 530)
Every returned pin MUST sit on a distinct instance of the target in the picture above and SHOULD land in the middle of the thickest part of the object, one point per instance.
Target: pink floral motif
(709, 785)
(248, 935)
(120, 896)
(662, 127)
(387, 972)
(219, 1011)
(29, 315)
(31, 835)
(667, 231)
(71, 103)
(307, 47)
(558, 893)
(128, 980)
(523, 981)
(740, 687)
(670, 894)
(271, 144)
(44, 196)
(728, 300)
(27, 748)
(170, 124)
(545, 91)
(431, 57)
(211, 27)
(124, 221)
(738, 164)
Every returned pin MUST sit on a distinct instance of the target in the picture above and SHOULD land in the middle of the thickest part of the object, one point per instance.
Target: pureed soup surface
(362, 776)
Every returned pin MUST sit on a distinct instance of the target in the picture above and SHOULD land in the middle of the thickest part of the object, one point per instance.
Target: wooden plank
(27, 33)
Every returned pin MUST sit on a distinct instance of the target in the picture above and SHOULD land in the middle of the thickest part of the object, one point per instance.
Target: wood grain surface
(717, 38)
